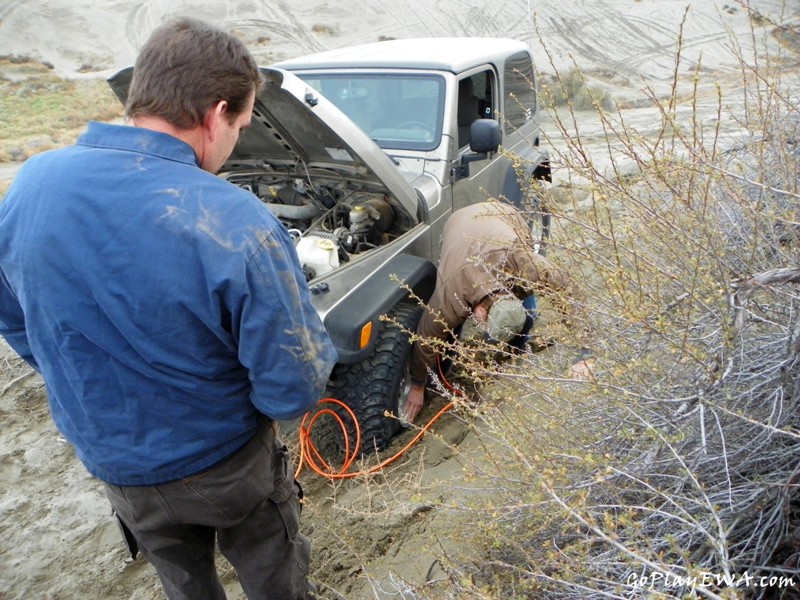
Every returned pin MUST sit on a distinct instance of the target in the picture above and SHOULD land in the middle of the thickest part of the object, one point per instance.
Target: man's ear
(213, 119)
(481, 312)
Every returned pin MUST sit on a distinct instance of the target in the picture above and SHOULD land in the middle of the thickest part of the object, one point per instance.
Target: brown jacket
(486, 248)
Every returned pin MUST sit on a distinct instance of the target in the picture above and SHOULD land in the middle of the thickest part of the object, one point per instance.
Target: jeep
(362, 153)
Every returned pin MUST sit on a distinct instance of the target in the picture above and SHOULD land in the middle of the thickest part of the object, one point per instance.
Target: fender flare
(513, 189)
(377, 296)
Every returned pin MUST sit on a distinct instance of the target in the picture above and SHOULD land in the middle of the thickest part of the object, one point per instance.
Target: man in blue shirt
(170, 320)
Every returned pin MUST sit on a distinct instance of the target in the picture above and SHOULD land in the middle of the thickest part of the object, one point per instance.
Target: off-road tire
(377, 383)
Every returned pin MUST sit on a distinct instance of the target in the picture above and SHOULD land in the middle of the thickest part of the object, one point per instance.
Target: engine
(331, 224)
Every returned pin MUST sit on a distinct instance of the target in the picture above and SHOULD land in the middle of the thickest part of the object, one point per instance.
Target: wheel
(380, 382)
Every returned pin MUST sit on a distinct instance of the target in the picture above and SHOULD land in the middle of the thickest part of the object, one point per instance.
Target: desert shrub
(46, 111)
(672, 472)
(323, 29)
(573, 89)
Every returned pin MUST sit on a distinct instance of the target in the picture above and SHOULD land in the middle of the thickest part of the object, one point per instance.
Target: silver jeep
(362, 153)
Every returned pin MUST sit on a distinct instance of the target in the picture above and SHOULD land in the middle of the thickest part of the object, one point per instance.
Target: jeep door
(509, 97)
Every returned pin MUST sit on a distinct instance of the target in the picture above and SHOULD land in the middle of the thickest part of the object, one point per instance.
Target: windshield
(397, 111)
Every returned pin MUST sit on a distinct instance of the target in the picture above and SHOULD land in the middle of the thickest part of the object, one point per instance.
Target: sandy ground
(57, 539)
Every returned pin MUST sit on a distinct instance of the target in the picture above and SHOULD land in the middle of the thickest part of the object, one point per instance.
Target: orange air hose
(309, 455)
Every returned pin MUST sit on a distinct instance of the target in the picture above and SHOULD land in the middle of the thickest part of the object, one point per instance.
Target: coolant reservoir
(318, 254)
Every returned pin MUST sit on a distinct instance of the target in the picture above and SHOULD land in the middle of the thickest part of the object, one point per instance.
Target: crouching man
(486, 283)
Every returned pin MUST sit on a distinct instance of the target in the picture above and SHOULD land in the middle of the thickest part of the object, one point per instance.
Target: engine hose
(309, 455)
(294, 211)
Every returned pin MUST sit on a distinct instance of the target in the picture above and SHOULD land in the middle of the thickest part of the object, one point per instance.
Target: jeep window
(397, 111)
(520, 99)
(475, 101)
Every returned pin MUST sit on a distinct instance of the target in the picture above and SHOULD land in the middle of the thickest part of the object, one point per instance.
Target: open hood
(296, 128)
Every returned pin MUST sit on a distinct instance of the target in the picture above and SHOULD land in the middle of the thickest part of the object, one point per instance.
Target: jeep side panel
(391, 284)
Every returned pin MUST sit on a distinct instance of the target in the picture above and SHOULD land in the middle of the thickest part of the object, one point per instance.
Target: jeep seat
(468, 110)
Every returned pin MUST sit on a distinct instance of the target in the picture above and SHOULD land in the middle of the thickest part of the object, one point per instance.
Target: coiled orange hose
(309, 455)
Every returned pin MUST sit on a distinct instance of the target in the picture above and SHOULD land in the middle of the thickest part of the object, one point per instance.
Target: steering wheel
(416, 125)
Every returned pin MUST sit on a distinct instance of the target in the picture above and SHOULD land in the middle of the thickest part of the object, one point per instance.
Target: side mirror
(485, 135)
(484, 139)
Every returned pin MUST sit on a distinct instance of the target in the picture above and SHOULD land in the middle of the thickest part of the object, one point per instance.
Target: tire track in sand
(275, 18)
(638, 41)
(8, 7)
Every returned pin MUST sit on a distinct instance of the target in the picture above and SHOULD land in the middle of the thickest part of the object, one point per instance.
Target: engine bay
(331, 222)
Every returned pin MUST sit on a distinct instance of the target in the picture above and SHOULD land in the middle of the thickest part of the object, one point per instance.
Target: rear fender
(514, 189)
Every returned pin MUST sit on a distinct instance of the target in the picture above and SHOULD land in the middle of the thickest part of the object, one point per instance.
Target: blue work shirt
(164, 307)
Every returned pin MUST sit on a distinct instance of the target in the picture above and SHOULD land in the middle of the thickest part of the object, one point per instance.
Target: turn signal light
(366, 332)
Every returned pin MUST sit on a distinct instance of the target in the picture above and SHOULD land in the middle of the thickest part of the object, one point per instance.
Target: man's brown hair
(187, 66)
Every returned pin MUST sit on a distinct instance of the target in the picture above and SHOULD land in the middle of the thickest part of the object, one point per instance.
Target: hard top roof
(455, 54)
